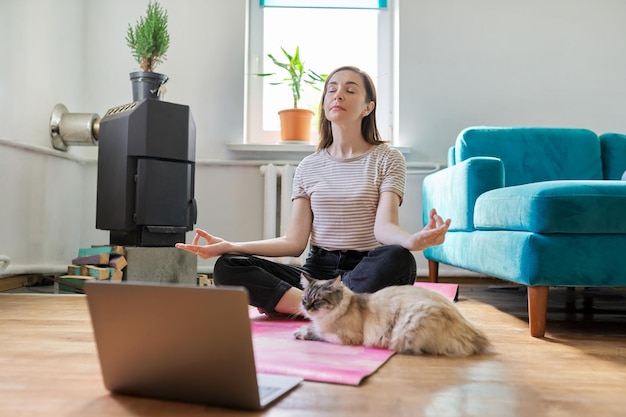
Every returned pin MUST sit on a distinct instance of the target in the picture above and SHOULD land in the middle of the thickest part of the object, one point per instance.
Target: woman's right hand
(215, 246)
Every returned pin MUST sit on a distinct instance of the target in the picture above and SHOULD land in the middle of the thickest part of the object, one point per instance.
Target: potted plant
(148, 41)
(295, 123)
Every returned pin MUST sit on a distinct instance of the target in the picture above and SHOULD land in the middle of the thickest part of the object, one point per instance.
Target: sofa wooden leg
(537, 310)
(433, 271)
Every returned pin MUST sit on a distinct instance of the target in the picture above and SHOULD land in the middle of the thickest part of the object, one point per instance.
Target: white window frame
(386, 83)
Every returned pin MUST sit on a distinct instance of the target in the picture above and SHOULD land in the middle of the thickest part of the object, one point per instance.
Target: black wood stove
(146, 172)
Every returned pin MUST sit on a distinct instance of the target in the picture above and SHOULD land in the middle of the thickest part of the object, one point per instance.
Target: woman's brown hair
(368, 124)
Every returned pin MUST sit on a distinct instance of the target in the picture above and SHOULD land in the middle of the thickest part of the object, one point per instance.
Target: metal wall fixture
(4, 262)
(73, 129)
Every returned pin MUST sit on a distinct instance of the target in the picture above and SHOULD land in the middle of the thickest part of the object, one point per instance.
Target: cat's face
(321, 295)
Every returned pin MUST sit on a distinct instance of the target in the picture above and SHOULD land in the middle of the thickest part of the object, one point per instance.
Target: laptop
(179, 342)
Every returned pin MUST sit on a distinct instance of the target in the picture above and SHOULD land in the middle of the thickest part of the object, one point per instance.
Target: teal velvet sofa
(541, 207)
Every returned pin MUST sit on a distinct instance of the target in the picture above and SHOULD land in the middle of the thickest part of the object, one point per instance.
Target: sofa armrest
(453, 191)
(613, 147)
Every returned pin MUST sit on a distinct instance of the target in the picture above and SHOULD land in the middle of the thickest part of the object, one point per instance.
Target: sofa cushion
(554, 207)
(533, 154)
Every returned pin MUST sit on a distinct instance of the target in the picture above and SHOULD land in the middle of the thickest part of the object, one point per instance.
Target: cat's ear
(305, 280)
(337, 282)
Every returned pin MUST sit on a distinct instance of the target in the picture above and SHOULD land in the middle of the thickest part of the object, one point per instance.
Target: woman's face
(345, 100)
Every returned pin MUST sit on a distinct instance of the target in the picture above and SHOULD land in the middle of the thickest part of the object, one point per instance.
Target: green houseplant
(149, 41)
(295, 122)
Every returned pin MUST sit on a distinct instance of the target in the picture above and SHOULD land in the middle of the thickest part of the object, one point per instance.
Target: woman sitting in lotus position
(345, 202)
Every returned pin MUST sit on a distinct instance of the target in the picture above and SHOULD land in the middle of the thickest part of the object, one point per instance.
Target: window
(327, 38)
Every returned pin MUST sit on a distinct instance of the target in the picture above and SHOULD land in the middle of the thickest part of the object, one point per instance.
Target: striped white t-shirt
(344, 194)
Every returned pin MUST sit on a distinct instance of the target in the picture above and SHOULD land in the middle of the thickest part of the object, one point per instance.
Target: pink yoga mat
(277, 351)
(451, 291)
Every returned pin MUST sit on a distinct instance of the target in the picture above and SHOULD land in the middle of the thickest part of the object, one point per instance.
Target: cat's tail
(448, 333)
(465, 339)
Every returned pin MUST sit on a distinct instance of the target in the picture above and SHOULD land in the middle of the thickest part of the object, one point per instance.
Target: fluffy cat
(405, 319)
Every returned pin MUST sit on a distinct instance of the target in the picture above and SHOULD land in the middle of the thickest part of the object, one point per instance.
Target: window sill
(302, 148)
(272, 147)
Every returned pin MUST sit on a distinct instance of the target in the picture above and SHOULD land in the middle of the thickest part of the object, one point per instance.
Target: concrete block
(161, 264)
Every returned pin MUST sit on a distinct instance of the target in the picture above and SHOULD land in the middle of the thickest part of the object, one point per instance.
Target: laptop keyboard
(267, 390)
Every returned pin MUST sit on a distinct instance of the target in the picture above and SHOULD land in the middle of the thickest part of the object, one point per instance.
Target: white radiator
(277, 204)
(277, 198)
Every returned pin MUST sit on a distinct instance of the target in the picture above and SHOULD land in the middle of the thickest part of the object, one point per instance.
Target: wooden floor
(49, 366)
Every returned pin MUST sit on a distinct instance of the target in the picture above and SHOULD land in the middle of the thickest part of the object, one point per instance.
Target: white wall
(557, 63)
(41, 65)
(509, 63)
(41, 208)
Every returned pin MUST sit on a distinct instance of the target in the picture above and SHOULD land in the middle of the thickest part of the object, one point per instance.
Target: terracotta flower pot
(295, 124)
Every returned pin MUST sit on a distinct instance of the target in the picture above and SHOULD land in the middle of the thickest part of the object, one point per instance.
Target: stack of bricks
(98, 262)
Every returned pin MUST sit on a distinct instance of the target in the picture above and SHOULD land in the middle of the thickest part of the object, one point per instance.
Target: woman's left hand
(432, 234)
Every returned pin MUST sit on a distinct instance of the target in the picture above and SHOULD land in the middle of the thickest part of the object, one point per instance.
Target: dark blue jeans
(362, 272)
